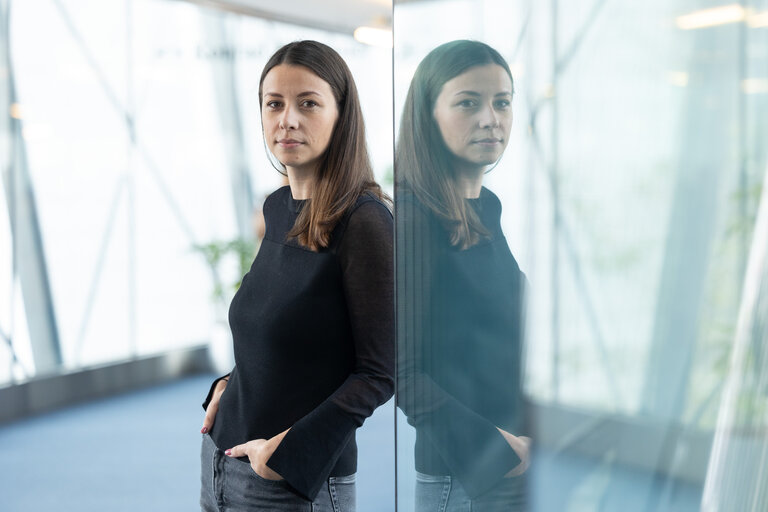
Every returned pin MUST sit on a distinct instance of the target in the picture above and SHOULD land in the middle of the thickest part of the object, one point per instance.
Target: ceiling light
(758, 20)
(754, 85)
(712, 17)
(381, 37)
(16, 111)
(678, 78)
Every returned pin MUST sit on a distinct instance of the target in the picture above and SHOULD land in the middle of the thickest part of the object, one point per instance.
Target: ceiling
(335, 15)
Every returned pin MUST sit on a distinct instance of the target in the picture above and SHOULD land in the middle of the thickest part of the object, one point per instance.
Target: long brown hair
(424, 164)
(345, 171)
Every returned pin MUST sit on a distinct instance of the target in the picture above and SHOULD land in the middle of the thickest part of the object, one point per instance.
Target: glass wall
(629, 189)
(135, 153)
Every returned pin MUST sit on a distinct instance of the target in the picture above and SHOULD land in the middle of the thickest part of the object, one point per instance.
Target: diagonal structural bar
(95, 279)
(127, 118)
(738, 465)
(28, 257)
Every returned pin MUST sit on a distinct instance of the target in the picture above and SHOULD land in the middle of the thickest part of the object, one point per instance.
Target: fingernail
(204, 430)
(228, 452)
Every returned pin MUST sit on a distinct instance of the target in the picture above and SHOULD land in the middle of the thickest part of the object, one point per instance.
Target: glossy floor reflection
(566, 482)
(140, 451)
(579, 484)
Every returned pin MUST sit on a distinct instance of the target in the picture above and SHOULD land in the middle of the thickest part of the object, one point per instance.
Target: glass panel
(629, 192)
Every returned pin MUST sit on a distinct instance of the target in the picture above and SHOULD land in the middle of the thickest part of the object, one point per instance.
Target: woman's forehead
(295, 80)
(485, 78)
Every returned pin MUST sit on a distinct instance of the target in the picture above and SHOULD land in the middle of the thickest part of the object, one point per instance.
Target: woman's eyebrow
(473, 93)
(301, 94)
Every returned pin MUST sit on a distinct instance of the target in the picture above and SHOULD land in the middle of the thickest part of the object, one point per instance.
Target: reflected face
(474, 114)
(299, 114)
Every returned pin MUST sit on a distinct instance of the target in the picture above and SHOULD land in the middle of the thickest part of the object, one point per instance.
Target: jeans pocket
(265, 481)
(432, 492)
(343, 492)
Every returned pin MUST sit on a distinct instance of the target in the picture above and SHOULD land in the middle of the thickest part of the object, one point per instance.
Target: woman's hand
(258, 452)
(522, 447)
(213, 406)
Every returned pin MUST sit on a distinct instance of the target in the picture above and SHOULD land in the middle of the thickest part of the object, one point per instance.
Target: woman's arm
(211, 403)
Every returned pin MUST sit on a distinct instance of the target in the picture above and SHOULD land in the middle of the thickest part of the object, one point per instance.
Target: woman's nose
(289, 120)
(489, 118)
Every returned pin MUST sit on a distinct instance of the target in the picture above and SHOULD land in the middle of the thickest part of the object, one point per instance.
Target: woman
(312, 321)
(459, 287)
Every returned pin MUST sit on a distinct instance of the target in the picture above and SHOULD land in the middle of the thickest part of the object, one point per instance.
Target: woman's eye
(503, 104)
(308, 104)
(467, 103)
(273, 104)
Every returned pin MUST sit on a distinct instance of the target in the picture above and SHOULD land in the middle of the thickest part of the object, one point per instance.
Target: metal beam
(28, 251)
(225, 80)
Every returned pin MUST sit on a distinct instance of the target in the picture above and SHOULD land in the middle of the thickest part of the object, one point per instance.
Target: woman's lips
(489, 142)
(289, 143)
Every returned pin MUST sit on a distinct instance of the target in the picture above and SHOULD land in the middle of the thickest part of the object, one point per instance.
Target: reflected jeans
(445, 494)
(231, 485)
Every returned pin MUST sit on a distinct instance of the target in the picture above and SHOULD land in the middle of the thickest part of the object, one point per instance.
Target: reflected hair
(425, 165)
(344, 171)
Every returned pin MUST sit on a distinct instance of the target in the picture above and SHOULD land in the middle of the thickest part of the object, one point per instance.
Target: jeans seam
(218, 475)
(213, 477)
(444, 497)
(334, 498)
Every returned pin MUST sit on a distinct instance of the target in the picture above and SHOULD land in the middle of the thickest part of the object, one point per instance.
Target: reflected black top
(313, 339)
(459, 343)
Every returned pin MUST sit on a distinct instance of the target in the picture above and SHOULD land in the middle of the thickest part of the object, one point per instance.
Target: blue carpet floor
(140, 452)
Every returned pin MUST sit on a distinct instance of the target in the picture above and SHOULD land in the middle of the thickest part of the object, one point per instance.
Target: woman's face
(298, 113)
(474, 114)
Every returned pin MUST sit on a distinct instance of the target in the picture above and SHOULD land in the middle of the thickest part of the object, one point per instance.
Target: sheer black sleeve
(309, 451)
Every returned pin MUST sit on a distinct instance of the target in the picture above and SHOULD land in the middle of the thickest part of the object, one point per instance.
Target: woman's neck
(301, 181)
(470, 181)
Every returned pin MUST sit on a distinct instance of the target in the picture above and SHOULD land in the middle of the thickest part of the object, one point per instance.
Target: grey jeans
(231, 485)
(445, 494)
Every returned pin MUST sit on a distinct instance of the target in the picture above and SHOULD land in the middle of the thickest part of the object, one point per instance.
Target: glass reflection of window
(739, 456)
(630, 196)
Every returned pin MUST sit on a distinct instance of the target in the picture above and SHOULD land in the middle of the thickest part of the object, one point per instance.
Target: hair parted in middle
(424, 164)
(344, 171)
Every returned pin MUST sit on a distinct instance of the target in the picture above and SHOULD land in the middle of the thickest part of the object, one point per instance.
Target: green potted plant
(225, 257)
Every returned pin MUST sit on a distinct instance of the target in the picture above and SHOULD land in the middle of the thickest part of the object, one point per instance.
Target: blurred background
(133, 171)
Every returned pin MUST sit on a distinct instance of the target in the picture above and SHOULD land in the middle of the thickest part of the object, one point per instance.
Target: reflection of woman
(313, 319)
(459, 287)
